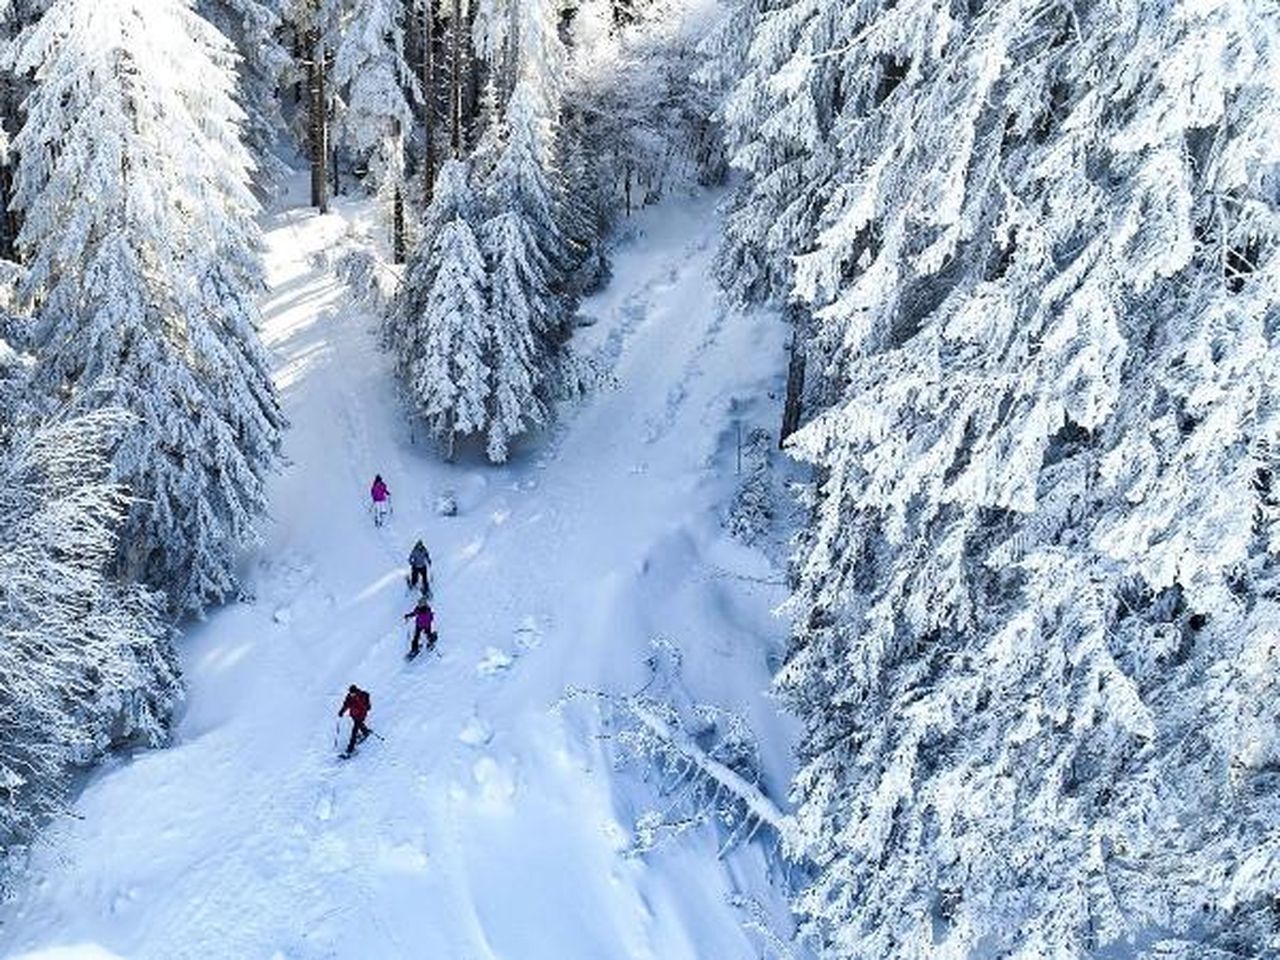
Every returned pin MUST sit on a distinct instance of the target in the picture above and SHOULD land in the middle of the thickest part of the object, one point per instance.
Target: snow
(490, 821)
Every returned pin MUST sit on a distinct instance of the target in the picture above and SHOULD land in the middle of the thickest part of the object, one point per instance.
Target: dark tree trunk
(318, 121)
(298, 52)
(471, 83)
(457, 82)
(9, 224)
(793, 409)
(429, 101)
(398, 242)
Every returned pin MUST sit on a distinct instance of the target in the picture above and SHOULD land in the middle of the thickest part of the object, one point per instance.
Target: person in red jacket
(357, 705)
(380, 495)
(423, 620)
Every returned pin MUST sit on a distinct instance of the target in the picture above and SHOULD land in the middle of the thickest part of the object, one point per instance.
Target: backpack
(364, 699)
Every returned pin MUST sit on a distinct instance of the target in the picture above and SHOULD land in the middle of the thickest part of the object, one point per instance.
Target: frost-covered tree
(315, 25)
(1036, 620)
(254, 27)
(520, 40)
(375, 82)
(442, 331)
(524, 247)
(634, 116)
(143, 272)
(15, 15)
(482, 343)
(84, 663)
(787, 86)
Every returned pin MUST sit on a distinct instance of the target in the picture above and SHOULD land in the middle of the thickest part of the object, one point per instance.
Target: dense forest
(1028, 259)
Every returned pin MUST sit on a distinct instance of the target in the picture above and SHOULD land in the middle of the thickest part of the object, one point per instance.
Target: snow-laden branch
(751, 796)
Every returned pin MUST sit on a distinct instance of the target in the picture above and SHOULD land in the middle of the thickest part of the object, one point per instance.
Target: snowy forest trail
(488, 823)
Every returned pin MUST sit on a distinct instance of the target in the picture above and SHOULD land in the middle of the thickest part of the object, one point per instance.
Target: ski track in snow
(486, 824)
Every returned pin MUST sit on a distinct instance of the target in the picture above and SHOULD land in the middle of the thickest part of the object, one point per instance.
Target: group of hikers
(358, 702)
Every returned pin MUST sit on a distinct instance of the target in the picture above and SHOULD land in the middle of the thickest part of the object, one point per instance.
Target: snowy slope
(487, 824)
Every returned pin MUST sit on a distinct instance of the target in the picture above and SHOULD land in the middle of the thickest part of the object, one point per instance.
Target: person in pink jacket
(423, 622)
(380, 495)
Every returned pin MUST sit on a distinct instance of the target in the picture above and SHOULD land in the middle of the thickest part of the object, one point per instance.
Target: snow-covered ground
(487, 823)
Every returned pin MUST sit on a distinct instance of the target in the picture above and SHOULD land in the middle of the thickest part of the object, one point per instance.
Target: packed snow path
(486, 824)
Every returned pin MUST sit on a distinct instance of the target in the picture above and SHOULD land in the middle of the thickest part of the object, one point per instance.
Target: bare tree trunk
(297, 47)
(471, 83)
(456, 82)
(8, 217)
(511, 68)
(429, 100)
(398, 241)
(793, 409)
(318, 121)
(10, 223)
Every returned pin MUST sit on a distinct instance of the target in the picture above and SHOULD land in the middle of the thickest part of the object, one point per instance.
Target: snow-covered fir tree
(442, 333)
(84, 663)
(520, 39)
(143, 270)
(15, 15)
(637, 122)
(375, 84)
(254, 27)
(787, 83)
(1036, 619)
(522, 245)
(512, 315)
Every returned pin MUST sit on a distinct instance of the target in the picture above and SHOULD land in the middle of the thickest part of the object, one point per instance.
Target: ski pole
(376, 734)
(337, 724)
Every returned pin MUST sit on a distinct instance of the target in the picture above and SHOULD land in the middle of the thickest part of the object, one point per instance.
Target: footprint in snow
(404, 857)
(496, 785)
(324, 806)
(123, 900)
(529, 634)
(495, 662)
(476, 733)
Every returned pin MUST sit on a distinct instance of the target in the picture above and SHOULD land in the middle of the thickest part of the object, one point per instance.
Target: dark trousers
(358, 732)
(417, 636)
(416, 573)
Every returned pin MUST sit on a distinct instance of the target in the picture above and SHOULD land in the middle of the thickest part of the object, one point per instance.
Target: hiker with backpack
(380, 495)
(357, 705)
(419, 564)
(423, 623)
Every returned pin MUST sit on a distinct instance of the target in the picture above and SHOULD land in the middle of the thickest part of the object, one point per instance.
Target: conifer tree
(777, 121)
(444, 353)
(143, 270)
(84, 662)
(375, 82)
(1041, 244)
(254, 28)
(521, 239)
